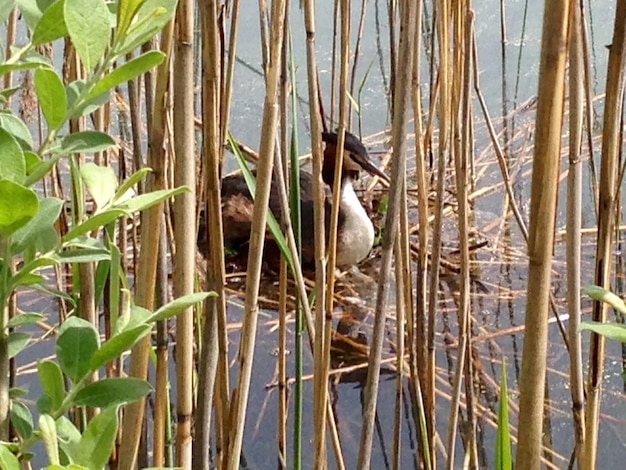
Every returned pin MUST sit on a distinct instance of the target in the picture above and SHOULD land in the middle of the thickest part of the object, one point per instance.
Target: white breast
(356, 235)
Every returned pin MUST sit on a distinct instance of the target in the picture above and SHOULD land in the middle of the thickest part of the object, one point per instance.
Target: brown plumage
(237, 206)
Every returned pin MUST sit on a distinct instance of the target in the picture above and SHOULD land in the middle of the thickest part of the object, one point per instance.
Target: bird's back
(237, 207)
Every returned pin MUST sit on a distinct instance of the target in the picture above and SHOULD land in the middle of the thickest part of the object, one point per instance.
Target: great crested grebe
(355, 231)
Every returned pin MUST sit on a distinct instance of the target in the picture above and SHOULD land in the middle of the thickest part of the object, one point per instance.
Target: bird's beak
(365, 163)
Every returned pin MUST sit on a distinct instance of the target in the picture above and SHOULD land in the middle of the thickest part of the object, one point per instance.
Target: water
(498, 312)
(499, 300)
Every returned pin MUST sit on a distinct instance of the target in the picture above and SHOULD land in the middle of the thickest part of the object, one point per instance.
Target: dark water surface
(498, 302)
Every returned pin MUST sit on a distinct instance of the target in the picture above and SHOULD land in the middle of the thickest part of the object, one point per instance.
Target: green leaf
(603, 295)
(89, 27)
(17, 342)
(127, 71)
(131, 318)
(8, 461)
(22, 276)
(15, 392)
(151, 17)
(112, 392)
(71, 466)
(12, 161)
(503, 458)
(272, 223)
(17, 206)
(51, 379)
(143, 201)
(100, 181)
(163, 468)
(178, 305)
(613, 331)
(32, 10)
(69, 437)
(76, 344)
(8, 93)
(29, 234)
(5, 8)
(41, 170)
(52, 98)
(16, 127)
(22, 419)
(97, 442)
(90, 255)
(126, 11)
(6, 68)
(85, 106)
(48, 430)
(85, 242)
(51, 26)
(116, 345)
(94, 222)
(87, 142)
(27, 318)
(129, 182)
(32, 162)
(27, 279)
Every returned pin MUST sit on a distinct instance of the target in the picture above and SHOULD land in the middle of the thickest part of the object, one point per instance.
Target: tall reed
(608, 189)
(147, 268)
(402, 100)
(574, 220)
(541, 231)
(185, 216)
(259, 217)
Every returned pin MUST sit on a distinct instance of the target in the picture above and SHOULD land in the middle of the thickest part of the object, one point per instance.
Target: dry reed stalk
(11, 28)
(227, 85)
(161, 398)
(213, 381)
(333, 72)
(463, 33)
(574, 223)
(589, 111)
(506, 179)
(283, 280)
(355, 61)
(185, 216)
(133, 420)
(324, 334)
(318, 184)
(400, 332)
(417, 329)
(609, 167)
(541, 232)
(264, 37)
(422, 197)
(466, 17)
(401, 98)
(405, 304)
(392, 11)
(300, 285)
(257, 239)
(85, 271)
(134, 107)
(441, 91)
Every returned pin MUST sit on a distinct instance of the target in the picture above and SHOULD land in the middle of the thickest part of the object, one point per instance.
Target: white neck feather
(356, 235)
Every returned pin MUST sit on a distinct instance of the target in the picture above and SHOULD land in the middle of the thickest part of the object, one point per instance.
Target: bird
(355, 231)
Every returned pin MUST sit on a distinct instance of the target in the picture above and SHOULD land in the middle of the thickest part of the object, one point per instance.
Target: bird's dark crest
(352, 142)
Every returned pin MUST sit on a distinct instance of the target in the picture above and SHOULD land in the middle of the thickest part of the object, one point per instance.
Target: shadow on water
(499, 265)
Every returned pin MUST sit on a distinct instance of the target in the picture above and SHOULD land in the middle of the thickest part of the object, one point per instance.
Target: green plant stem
(5, 276)
(17, 55)
(65, 406)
